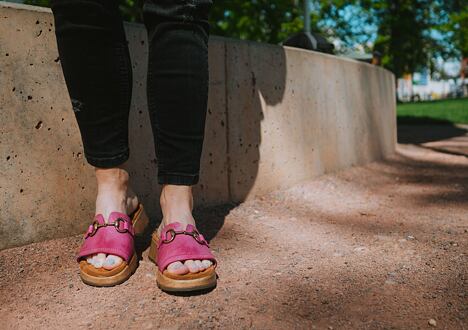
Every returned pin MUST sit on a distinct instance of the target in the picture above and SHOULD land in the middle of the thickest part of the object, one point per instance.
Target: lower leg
(96, 66)
(177, 88)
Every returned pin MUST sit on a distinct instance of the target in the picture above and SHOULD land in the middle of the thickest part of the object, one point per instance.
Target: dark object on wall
(310, 41)
(376, 58)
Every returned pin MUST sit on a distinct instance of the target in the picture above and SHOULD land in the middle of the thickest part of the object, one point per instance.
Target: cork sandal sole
(103, 277)
(89, 275)
(181, 283)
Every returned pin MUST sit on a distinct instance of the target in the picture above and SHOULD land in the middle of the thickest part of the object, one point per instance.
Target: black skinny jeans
(96, 65)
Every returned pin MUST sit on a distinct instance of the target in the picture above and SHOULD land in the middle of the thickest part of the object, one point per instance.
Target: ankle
(176, 196)
(112, 180)
(114, 193)
(176, 204)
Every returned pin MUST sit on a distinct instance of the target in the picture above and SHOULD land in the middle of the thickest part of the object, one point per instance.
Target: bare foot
(114, 195)
(176, 205)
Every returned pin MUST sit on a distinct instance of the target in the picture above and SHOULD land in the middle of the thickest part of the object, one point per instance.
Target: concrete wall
(276, 116)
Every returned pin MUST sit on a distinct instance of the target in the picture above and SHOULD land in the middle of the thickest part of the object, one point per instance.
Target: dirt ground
(380, 246)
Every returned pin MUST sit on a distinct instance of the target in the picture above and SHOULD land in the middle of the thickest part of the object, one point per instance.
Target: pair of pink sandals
(169, 244)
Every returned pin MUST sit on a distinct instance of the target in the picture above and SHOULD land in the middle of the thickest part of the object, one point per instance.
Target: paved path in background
(381, 246)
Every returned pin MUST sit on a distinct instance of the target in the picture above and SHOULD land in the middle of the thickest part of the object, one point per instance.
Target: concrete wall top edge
(20, 6)
(249, 42)
(341, 58)
(135, 25)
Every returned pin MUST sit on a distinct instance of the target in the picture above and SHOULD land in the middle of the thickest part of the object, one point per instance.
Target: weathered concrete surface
(379, 246)
(295, 114)
(276, 116)
(47, 189)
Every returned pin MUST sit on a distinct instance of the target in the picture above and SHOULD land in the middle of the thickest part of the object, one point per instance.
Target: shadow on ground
(417, 130)
(380, 246)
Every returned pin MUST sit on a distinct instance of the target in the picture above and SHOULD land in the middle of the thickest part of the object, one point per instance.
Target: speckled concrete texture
(294, 114)
(276, 116)
(47, 188)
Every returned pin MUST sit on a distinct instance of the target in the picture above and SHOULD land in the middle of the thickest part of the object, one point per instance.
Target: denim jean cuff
(108, 162)
(178, 179)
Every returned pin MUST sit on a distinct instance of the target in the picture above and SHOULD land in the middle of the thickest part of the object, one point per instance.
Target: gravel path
(381, 246)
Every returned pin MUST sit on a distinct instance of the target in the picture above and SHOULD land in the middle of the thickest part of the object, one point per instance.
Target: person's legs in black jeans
(96, 65)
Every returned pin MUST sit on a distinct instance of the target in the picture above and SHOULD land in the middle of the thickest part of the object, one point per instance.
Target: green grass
(453, 111)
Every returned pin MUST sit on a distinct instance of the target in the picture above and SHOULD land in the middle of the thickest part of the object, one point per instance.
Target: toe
(193, 268)
(93, 259)
(89, 259)
(199, 265)
(177, 268)
(206, 263)
(99, 260)
(112, 262)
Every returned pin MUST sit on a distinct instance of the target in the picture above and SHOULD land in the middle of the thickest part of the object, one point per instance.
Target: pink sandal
(174, 243)
(114, 237)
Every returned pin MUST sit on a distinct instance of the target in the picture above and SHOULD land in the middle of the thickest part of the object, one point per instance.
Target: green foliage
(348, 22)
(409, 33)
(403, 35)
(456, 24)
(459, 26)
(42, 3)
(260, 20)
(130, 8)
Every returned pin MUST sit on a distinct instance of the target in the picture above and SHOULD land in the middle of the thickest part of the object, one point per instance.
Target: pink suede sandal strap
(177, 243)
(114, 237)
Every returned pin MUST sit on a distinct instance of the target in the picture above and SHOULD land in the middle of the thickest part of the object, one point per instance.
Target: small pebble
(432, 322)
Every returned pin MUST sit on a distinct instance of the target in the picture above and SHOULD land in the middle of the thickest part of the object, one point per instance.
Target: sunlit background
(424, 43)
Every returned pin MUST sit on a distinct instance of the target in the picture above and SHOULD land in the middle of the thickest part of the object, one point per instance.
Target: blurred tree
(347, 22)
(42, 3)
(457, 25)
(260, 20)
(408, 33)
(403, 35)
(130, 8)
